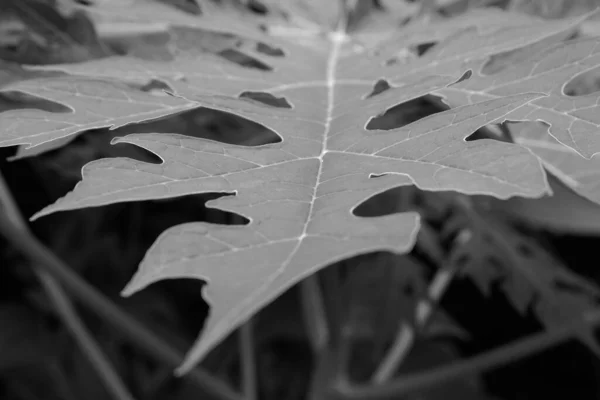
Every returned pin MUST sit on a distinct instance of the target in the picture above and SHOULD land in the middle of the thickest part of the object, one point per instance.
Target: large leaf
(314, 88)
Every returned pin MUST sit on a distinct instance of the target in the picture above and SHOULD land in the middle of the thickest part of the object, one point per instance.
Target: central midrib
(337, 39)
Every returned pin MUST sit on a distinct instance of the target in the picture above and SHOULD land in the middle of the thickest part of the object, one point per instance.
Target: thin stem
(89, 346)
(501, 356)
(20, 237)
(406, 333)
(315, 316)
(326, 372)
(66, 311)
(328, 357)
(396, 354)
(248, 360)
(344, 353)
(334, 308)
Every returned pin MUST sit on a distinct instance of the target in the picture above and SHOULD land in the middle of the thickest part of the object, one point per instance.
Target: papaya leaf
(316, 87)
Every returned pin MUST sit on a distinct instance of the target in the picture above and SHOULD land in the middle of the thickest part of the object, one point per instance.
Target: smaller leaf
(35, 32)
(573, 180)
(574, 121)
(529, 276)
(578, 173)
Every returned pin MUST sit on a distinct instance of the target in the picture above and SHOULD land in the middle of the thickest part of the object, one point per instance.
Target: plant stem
(334, 309)
(489, 360)
(328, 357)
(66, 311)
(89, 346)
(22, 239)
(325, 373)
(396, 354)
(248, 360)
(406, 333)
(315, 316)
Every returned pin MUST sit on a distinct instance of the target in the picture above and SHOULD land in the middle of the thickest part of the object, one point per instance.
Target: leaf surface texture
(312, 85)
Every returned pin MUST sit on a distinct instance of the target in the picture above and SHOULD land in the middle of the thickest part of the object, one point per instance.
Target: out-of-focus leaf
(531, 278)
(34, 32)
